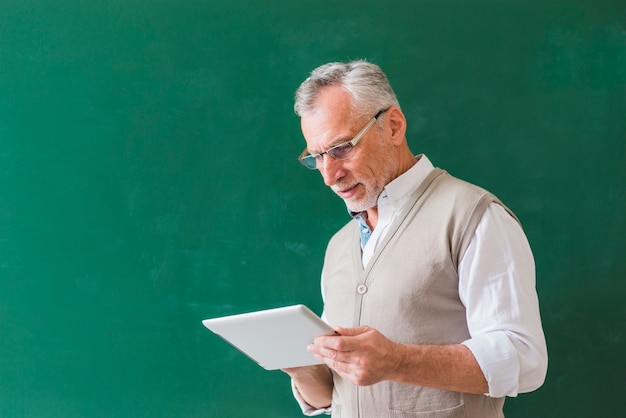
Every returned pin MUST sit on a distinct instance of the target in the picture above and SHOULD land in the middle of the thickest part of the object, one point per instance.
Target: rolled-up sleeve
(497, 287)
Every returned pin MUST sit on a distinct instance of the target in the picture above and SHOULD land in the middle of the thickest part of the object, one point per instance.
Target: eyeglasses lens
(341, 151)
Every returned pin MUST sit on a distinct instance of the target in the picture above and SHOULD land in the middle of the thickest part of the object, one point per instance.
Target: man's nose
(331, 169)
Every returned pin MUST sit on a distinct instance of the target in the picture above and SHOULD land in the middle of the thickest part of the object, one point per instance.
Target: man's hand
(361, 355)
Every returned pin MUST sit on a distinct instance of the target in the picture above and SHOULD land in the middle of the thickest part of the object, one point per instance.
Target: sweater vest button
(361, 289)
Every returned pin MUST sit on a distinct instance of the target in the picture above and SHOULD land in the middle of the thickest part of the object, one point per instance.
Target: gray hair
(366, 82)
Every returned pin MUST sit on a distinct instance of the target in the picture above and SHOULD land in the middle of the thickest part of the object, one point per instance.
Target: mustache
(342, 185)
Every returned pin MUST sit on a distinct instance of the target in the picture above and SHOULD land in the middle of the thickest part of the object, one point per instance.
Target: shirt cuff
(498, 361)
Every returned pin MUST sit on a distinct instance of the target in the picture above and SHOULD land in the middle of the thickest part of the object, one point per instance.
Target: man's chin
(357, 206)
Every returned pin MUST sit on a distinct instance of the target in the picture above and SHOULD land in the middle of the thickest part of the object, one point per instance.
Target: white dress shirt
(496, 285)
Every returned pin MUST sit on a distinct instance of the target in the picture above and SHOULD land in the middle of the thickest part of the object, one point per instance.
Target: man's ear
(397, 124)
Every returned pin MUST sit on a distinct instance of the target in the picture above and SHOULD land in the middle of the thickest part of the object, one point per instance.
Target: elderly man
(431, 286)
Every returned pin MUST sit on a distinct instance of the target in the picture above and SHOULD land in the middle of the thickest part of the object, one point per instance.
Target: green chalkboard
(148, 180)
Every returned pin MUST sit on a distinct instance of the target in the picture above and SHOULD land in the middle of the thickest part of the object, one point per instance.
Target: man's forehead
(330, 121)
(325, 128)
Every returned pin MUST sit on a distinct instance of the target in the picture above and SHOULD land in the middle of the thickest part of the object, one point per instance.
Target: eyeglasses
(340, 151)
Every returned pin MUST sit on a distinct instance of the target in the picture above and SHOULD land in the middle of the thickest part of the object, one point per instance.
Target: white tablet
(274, 338)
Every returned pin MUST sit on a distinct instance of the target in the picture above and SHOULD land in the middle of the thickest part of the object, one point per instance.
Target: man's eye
(340, 150)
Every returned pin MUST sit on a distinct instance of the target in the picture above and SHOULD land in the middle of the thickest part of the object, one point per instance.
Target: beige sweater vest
(409, 292)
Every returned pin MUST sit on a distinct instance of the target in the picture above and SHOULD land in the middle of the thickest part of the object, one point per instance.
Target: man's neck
(372, 213)
(372, 217)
